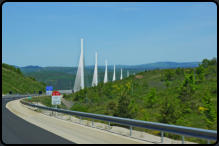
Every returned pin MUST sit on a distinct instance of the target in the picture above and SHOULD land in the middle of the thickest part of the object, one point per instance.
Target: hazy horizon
(107, 65)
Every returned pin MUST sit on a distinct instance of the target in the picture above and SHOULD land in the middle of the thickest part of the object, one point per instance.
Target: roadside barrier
(174, 129)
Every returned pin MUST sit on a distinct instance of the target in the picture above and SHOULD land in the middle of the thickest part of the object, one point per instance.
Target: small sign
(49, 90)
(56, 98)
(29, 97)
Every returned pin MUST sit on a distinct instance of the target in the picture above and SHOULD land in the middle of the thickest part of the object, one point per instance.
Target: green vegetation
(208, 111)
(179, 103)
(61, 77)
(12, 68)
(147, 98)
(13, 80)
(61, 80)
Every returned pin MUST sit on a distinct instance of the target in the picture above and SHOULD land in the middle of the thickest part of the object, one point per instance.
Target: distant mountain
(30, 66)
(150, 66)
(90, 68)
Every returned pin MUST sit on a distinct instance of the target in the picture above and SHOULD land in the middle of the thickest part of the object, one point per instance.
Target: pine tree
(186, 90)
(151, 97)
(200, 73)
(209, 112)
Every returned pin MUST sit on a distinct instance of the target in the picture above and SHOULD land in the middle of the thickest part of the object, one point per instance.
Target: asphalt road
(15, 130)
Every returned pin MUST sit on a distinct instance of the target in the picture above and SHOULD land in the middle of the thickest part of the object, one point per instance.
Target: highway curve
(15, 130)
(25, 126)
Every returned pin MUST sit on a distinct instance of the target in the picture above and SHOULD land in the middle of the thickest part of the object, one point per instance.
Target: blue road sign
(49, 88)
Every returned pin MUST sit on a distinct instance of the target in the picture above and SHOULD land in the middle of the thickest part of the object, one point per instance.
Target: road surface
(24, 126)
(15, 130)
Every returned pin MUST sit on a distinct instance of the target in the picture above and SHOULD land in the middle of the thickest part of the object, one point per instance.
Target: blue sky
(49, 34)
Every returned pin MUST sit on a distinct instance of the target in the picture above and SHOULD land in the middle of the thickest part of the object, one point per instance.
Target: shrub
(152, 98)
(178, 71)
(127, 107)
(64, 95)
(213, 89)
(79, 108)
(145, 85)
(200, 73)
(209, 112)
(169, 74)
(110, 109)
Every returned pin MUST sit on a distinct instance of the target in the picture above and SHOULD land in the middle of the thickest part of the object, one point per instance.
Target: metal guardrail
(179, 130)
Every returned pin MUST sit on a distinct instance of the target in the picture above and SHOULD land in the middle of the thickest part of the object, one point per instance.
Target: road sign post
(49, 90)
(56, 99)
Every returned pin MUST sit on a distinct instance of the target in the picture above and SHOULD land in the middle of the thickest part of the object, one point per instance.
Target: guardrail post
(182, 139)
(50, 113)
(62, 115)
(208, 141)
(69, 116)
(80, 120)
(58, 114)
(109, 126)
(92, 122)
(130, 130)
(161, 137)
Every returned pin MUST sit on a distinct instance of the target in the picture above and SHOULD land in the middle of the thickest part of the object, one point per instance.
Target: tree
(186, 90)
(43, 83)
(171, 113)
(205, 63)
(145, 85)
(200, 73)
(19, 71)
(110, 109)
(182, 70)
(152, 97)
(213, 61)
(178, 71)
(169, 73)
(209, 112)
(100, 88)
(64, 95)
(167, 84)
(108, 90)
(127, 107)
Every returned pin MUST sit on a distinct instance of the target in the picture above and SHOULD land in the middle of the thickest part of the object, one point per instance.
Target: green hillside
(13, 80)
(61, 80)
(184, 98)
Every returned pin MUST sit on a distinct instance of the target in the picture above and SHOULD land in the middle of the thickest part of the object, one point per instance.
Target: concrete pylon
(79, 81)
(114, 74)
(121, 74)
(95, 77)
(105, 77)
